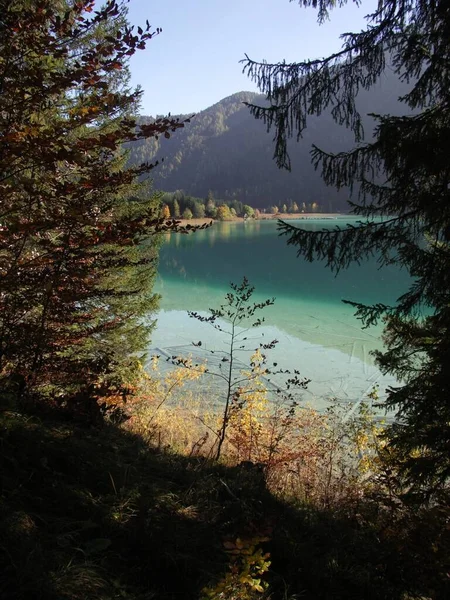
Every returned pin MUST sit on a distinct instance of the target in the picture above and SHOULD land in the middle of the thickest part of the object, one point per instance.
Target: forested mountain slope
(225, 150)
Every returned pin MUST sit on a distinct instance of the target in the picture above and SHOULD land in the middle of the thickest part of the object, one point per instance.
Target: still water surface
(316, 330)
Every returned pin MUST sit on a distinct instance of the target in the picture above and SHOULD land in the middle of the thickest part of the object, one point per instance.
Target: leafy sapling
(234, 319)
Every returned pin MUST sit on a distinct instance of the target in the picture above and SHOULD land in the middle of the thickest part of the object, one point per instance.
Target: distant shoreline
(268, 217)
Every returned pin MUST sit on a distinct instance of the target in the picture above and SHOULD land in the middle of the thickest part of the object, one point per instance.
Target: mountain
(226, 150)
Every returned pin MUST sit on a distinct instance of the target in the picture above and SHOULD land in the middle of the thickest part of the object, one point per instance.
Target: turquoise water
(313, 325)
(195, 271)
(227, 251)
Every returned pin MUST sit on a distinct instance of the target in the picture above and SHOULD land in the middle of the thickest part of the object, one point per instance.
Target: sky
(194, 63)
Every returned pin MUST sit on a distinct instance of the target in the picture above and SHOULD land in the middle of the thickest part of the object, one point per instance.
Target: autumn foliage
(254, 415)
(76, 256)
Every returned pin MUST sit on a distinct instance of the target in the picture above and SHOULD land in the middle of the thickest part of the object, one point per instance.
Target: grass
(99, 514)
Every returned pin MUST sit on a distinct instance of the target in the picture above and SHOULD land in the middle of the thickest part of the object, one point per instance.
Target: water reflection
(195, 271)
(227, 251)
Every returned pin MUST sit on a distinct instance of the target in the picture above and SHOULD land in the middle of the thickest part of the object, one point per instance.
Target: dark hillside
(225, 150)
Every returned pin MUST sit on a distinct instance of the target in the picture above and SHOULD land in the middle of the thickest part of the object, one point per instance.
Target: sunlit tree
(198, 210)
(210, 208)
(248, 211)
(165, 212)
(176, 209)
(77, 259)
(223, 213)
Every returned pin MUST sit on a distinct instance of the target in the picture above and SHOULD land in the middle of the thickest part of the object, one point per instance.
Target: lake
(318, 333)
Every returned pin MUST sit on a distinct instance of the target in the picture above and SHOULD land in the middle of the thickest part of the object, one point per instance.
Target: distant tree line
(179, 205)
(225, 150)
(291, 207)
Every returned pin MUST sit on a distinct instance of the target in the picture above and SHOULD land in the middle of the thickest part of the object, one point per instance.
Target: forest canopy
(226, 151)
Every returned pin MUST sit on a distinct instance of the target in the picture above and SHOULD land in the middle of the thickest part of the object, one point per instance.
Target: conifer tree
(198, 210)
(403, 174)
(77, 258)
(176, 209)
(210, 208)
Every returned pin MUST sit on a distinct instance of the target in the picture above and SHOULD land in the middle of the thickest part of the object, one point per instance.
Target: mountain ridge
(225, 150)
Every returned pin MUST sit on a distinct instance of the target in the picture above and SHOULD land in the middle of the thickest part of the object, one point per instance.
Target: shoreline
(267, 217)
(333, 373)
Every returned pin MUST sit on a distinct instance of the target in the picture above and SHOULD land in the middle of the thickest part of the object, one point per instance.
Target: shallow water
(317, 332)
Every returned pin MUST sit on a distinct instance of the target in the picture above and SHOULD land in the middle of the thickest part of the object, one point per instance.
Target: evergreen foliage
(402, 174)
(248, 211)
(210, 207)
(225, 150)
(176, 209)
(177, 202)
(77, 252)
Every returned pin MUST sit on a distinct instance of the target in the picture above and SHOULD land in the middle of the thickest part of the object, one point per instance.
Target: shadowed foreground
(97, 514)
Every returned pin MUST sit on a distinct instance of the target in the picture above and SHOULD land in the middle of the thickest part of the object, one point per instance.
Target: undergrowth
(100, 514)
(300, 505)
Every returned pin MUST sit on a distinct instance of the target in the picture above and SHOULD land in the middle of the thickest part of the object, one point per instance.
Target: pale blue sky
(194, 63)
